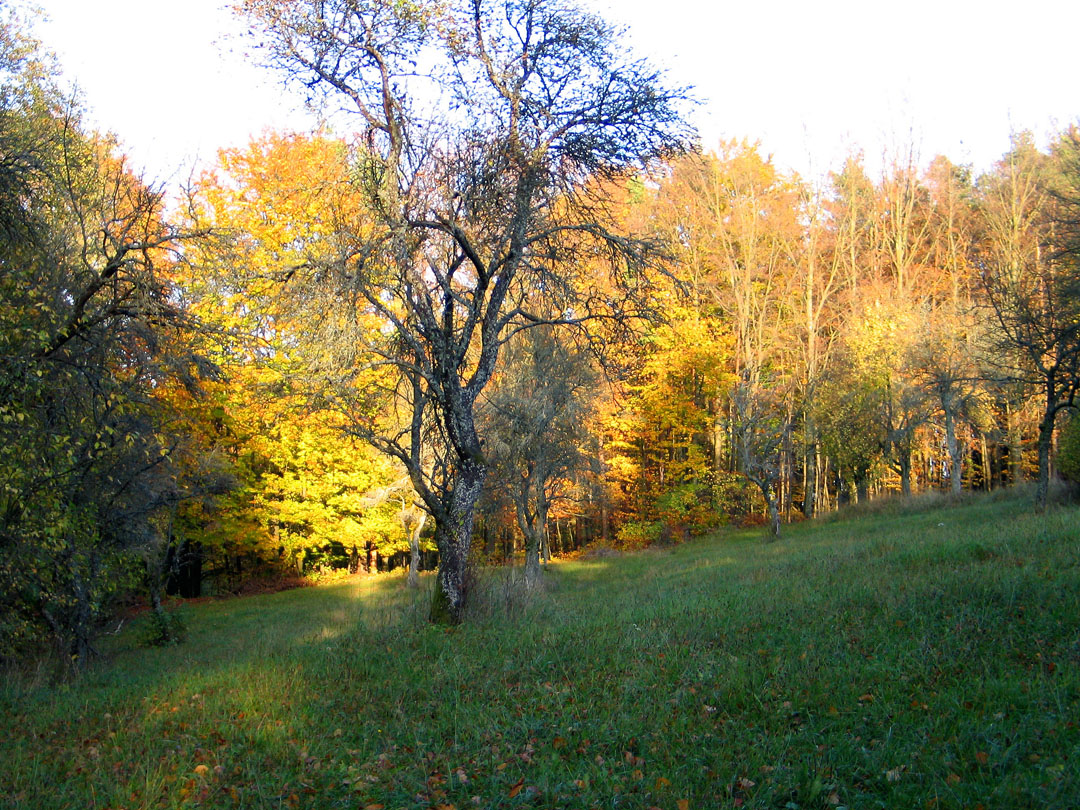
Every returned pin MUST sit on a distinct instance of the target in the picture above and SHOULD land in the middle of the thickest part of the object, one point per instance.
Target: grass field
(927, 658)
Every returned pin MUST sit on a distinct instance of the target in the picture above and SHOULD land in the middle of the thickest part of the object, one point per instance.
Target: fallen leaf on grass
(683, 804)
(982, 757)
(373, 807)
(662, 783)
(515, 789)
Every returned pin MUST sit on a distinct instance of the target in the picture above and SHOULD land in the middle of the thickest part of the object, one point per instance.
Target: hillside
(928, 659)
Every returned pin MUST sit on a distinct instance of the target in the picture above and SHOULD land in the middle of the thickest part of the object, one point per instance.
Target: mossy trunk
(454, 538)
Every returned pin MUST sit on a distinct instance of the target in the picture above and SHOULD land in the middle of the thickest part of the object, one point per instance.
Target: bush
(163, 628)
(639, 533)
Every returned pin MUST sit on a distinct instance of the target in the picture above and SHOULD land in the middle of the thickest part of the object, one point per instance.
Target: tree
(480, 180)
(1031, 281)
(754, 209)
(90, 329)
(536, 417)
(944, 357)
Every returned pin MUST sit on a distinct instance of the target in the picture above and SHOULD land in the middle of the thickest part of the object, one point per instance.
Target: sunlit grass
(926, 658)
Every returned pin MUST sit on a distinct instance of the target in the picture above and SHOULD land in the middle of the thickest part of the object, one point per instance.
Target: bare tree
(489, 131)
(536, 417)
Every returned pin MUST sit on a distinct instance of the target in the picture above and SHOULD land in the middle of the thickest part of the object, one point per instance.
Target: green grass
(928, 659)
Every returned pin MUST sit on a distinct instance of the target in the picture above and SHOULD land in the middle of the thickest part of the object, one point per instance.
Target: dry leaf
(516, 788)
(683, 804)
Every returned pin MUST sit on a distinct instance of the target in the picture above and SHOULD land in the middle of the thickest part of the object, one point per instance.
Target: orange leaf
(662, 783)
(516, 789)
(982, 757)
(373, 807)
(683, 804)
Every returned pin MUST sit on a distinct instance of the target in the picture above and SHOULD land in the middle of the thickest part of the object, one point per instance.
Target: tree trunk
(810, 473)
(955, 452)
(904, 462)
(1046, 435)
(415, 527)
(862, 486)
(532, 557)
(774, 518)
(1016, 458)
(453, 538)
(413, 579)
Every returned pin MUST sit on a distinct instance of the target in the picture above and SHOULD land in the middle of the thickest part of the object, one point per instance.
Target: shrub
(163, 628)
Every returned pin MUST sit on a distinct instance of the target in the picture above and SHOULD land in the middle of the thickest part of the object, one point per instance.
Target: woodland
(513, 311)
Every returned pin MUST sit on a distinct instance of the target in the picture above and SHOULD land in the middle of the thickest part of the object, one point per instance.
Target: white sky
(811, 80)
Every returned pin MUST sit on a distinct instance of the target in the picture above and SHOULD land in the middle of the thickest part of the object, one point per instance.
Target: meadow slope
(924, 658)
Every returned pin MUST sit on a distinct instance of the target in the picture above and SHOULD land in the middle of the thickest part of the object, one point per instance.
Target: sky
(811, 81)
